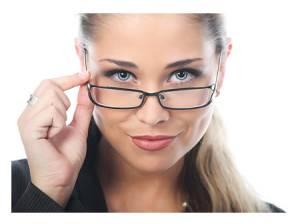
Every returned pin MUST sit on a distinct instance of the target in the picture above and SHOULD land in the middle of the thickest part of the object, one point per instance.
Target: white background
(259, 100)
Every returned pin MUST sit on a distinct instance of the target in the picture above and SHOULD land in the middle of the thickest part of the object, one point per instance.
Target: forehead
(150, 36)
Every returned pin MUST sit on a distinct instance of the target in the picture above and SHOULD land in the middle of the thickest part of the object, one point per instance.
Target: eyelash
(191, 71)
(109, 74)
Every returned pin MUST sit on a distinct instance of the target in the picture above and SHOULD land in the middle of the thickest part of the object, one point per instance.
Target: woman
(145, 137)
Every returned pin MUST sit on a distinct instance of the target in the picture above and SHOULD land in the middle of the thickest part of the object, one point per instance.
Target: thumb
(83, 112)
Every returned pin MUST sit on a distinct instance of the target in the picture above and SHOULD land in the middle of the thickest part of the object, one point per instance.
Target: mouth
(153, 143)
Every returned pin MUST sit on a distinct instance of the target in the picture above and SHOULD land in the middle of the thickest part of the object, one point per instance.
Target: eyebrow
(129, 64)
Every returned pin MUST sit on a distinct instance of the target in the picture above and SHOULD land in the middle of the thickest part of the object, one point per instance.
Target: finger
(54, 97)
(70, 81)
(51, 121)
(83, 112)
(48, 87)
(59, 119)
(39, 127)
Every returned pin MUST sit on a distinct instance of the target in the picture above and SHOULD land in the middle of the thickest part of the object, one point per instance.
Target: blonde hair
(209, 178)
(228, 190)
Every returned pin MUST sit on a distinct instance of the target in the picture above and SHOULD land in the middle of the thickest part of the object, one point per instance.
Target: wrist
(59, 194)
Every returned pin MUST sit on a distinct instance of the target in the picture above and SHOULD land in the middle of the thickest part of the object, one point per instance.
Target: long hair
(209, 178)
(227, 189)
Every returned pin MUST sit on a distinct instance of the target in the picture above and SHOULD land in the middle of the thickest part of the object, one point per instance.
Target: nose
(151, 112)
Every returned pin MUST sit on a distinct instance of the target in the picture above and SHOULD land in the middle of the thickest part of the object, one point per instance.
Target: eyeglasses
(175, 99)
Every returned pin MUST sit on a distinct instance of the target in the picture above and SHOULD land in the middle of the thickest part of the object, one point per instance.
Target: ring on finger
(32, 100)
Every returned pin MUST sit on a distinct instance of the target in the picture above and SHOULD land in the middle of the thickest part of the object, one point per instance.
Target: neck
(129, 189)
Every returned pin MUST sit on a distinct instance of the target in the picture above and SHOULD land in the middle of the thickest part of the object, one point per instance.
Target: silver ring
(32, 100)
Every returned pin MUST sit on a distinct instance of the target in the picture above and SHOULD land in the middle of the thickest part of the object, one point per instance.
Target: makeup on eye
(182, 75)
(122, 75)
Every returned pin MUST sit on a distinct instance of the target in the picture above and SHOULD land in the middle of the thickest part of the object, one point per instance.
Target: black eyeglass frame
(145, 94)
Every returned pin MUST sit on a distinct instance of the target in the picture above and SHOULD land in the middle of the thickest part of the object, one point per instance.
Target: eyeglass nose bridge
(157, 94)
(151, 94)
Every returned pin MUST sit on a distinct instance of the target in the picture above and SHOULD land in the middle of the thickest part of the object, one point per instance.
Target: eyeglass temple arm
(84, 56)
(217, 78)
(85, 64)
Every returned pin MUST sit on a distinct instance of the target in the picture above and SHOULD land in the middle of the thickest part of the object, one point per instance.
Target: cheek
(109, 120)
(196, 123)
(110, 116)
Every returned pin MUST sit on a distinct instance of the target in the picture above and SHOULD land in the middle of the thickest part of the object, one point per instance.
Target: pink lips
(152, 143)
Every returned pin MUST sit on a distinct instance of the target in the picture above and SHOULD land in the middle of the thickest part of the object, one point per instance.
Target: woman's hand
(55, 151)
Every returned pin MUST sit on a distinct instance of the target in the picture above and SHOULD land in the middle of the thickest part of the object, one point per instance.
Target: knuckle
(52, 96)
(57, 114)
(52, 110)
(62, 98)
(64, 116)
(53, 93)
(45, 85)
(46, 82)
(68, 103)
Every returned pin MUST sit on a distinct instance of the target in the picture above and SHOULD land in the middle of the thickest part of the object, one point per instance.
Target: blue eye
(120, 75)
(184, 75)
(123, 75)
(181, 75)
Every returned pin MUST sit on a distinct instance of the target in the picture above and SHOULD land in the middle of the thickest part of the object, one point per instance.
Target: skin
(132, 179)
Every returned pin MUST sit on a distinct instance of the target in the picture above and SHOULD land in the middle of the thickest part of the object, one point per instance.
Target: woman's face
(152, 42)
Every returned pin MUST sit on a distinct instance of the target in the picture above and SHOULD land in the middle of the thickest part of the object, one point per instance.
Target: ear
(225, 55)
(79, 51)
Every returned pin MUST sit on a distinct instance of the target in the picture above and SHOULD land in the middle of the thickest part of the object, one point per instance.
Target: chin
(153, 165)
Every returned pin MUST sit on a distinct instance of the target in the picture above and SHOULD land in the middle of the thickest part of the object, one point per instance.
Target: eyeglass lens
(174, 99)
